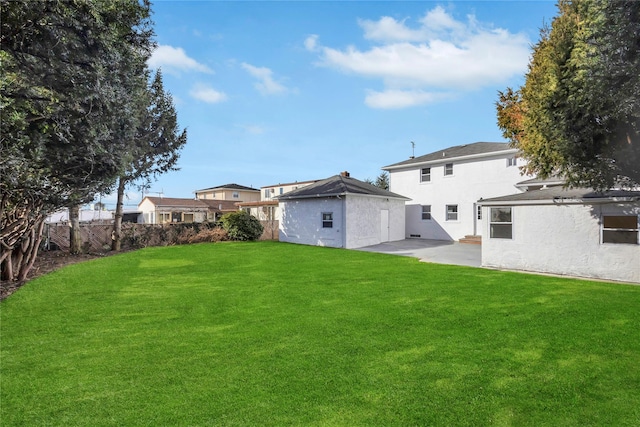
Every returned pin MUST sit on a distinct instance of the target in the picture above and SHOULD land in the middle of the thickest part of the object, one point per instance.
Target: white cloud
(395, 99)
(207, 94)
(266, 85)
(174, 59)
(439, 54)
(311, 42)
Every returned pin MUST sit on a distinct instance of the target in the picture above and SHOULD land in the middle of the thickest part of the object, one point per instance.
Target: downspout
(344, 221)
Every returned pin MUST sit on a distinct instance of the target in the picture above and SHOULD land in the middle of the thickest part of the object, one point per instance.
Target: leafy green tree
(578, 113)
(155, 148)
(68, 70)
(241, 225)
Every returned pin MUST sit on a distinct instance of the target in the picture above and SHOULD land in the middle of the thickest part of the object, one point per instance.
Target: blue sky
(281, 91)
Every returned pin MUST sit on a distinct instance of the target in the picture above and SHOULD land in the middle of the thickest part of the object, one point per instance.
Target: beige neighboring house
(270, 192)
(168, 210)
(267, 208)
(232, 192)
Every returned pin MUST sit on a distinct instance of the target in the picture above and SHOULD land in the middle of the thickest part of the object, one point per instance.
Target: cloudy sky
(281, 91)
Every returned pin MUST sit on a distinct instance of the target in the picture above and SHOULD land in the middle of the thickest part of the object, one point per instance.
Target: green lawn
(268, 333)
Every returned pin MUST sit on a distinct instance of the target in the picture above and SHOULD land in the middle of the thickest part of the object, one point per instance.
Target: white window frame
(512, 161)
(236, 195)
(425, 177)
(448, 169)
(606, 231)
(426, 211)
(449, 213)
(495, 223)
(327, 219)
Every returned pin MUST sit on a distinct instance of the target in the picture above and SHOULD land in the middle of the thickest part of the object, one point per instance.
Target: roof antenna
(413, 150)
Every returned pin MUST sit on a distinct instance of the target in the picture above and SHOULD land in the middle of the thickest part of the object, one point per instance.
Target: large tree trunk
(75, 239)
(116, 236)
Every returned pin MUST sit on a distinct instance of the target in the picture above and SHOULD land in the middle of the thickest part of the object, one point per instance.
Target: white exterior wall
(563, 239)
(150, 212)
(301, 222)
(471, 180)
(364, 220)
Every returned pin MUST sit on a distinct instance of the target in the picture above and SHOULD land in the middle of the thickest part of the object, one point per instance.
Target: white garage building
(341, 212)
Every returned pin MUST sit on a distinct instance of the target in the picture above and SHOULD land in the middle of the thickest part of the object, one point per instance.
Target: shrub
(241, 226)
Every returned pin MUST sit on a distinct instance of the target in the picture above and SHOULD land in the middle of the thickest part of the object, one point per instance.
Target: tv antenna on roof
(413, 150)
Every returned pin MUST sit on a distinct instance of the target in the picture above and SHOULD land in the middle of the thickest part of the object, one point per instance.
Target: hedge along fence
(96, 237)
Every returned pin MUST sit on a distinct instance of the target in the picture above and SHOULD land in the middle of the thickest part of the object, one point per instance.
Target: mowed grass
(267, 333)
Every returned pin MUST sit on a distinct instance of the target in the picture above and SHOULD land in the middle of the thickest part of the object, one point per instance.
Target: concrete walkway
(437, 251)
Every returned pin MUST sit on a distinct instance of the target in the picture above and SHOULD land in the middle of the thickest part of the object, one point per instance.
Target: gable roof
(477, 149)
(229, 187)
(564, 195)
(338, 185)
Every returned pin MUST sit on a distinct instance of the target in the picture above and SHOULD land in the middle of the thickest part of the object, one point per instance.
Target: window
(425, 174)
(188, 217)
(452, 212)
(620, 229)
(327, 220)
(426, 212)
(281, 190)
(479, 212)
(236, 195)
(448, 169)
(266, 193)
(512, 161)
(500, 225)
(164, 217)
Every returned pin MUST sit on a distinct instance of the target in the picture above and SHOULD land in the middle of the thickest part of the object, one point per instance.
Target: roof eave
(449, 159)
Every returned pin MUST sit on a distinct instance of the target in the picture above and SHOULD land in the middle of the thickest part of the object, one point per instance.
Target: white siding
(563, 239)
(364, 220)
(471, 180)
(302, 222)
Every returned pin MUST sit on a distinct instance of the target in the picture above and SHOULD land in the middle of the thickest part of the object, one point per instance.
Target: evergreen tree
(578, 113)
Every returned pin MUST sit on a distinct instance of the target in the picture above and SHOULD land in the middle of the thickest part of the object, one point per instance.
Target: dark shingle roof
(338, 185)
(558, 193)
(457, 151)
(229, 187)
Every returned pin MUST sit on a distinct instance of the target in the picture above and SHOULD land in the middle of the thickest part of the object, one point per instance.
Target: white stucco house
(444, 187)
(341, 212)
(575, 232)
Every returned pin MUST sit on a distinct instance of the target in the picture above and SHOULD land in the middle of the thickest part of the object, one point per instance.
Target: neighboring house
(271, 192)
(165, 210)
(445, 185)
(233, 192)
(576, 232)
(341, 212)
(267, 208)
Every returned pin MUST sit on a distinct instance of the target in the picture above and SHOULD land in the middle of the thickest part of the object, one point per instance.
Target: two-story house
(233, 192)
(444, 187)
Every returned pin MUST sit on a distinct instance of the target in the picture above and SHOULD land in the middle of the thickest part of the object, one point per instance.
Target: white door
(384, 225)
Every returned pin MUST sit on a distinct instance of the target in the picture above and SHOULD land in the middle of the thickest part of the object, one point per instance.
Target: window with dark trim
(479, 212)
(620, 229)
(448, 169)
(500, 223)
(452, 212)
(426, 212)
(425, 174)
(327, 219)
